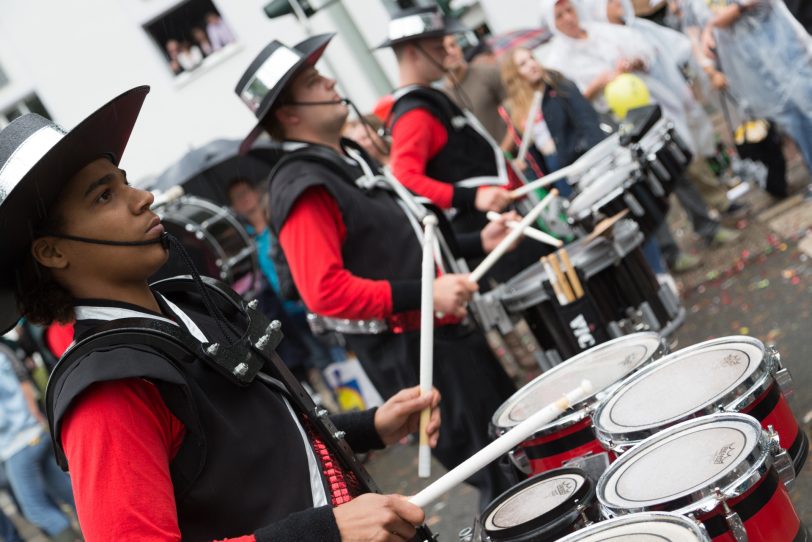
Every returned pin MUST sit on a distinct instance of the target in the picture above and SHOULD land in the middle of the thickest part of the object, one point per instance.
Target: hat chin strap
(326, 102)
(163, 239)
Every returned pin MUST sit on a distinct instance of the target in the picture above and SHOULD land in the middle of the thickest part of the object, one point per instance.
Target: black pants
(471, 381)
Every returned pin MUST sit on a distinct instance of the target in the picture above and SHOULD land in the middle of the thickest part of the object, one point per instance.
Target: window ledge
(208, 64)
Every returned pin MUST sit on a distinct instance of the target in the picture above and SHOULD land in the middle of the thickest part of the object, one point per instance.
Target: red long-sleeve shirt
(122, 433)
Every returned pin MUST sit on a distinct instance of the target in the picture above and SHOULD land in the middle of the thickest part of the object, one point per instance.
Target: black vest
(232, 474)
(380, 242)
(466, 154)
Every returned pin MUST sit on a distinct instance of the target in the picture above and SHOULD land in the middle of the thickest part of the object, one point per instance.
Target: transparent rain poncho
(583, 60)
(766, 56)
(672, 50)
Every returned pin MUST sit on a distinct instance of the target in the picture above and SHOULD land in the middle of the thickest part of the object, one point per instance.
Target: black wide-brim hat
(271, 71)
(420, 23)
(37, 158)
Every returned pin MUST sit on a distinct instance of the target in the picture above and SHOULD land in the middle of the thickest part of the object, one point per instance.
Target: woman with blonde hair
(563, 124)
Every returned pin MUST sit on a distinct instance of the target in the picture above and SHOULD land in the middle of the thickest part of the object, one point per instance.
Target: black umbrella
(205, 171)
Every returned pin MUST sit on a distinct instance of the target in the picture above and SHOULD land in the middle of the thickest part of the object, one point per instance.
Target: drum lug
(520, 461)
(734, 522)
(784, 379)
(781, 459)
(585, 521)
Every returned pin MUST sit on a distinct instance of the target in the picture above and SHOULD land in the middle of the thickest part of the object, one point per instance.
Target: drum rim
(691, 526)
(563, 514)
(580, 410)
(755, 384)
(745, 475)
(631, 177)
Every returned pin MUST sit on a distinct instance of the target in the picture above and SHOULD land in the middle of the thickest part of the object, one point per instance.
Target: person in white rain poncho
(592, 54)
(672, 51)
(766, 56)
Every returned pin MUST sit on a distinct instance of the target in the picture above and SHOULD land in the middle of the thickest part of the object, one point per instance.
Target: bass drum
(217, 243)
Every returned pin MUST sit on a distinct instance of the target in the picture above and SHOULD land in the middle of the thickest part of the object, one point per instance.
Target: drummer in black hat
(440, 151)
(352, 240)
(160, 443)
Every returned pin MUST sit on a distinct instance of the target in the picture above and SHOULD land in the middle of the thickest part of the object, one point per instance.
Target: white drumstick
(544, 181)
(500, 446)
(511, 238)
(426, 341)
(528, 126)
(162, 198)
(539, 236)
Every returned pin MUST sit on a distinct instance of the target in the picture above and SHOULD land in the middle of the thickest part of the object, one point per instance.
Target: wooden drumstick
(572, 274)
(565, 286)
(530, 232)
(501, 446)
(547, 180)
(559, 293)
(605, 224)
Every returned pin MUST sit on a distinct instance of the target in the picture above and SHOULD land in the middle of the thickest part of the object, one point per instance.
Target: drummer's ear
(46, 252)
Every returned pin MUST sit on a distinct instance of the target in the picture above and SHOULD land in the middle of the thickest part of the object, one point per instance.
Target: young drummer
(354, 250)
(160, 448)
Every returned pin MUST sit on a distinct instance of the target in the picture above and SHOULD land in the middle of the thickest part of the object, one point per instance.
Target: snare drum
(723, 469)
(619, 283)
(663, 155)
(735, 374)
(643, 527)
(571, 436)
(542, 508)
(217, 243)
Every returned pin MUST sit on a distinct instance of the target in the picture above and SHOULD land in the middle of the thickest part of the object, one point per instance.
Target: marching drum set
(693, 445)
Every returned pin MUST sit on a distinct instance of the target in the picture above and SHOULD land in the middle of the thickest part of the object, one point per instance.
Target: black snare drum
(619, 283)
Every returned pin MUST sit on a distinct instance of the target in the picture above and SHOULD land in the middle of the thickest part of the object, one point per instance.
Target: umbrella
(529, 38)
(205, 171)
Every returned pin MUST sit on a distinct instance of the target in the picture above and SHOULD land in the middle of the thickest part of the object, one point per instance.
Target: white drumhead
(603, 365)
(534, 501)
(602, 186)
(679, 461)
(679, 385)
(644, 527)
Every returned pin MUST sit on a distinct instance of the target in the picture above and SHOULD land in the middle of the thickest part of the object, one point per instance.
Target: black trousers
(471, 381)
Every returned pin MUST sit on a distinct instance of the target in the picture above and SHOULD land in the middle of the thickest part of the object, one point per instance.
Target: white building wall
(508, 15)
(76, 55)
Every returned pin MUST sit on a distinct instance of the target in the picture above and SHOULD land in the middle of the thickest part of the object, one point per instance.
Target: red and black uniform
(354, 253)
(180, 459)
(439, 154)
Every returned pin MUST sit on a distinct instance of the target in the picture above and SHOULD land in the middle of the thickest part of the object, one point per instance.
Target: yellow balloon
(626, 92)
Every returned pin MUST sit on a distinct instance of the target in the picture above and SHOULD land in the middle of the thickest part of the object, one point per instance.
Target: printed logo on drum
(563, 488)
(630, 361)
(724, 453)
(580, 328)
(731, 360)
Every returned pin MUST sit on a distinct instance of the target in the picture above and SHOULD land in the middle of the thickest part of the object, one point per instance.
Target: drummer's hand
(496, 230)
(492, 198)
(377, 518)
(400, 415)
(708, 43)
(451, 294)
(718, 80)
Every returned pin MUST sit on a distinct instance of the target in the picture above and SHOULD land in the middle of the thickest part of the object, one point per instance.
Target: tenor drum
(217, 243)
(571, 436)
(643, 527)
(724, 470)
(542, 508)
(619, 284)
(734, 374)
(663, 155)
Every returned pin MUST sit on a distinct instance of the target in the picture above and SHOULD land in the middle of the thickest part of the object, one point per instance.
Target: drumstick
(501, 446)
(511, 238)
(604, 225)
(559, 293)
(530, 232)
(565, 286)
(162, 198)
(572, 274)
(528, 126)
(426, 342)
(544, 181)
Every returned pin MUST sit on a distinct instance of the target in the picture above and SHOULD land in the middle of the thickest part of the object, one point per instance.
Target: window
(31, 104)
(189, 34)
